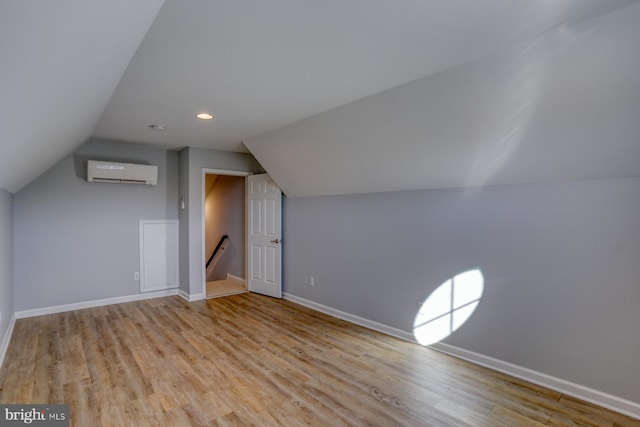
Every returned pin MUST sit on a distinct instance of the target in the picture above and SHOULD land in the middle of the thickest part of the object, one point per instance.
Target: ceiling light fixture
(205, 116)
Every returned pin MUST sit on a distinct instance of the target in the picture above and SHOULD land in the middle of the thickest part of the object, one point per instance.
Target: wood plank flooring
(248, 360)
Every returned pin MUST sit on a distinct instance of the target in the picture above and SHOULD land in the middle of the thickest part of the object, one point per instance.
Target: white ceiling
(260, 66)
(60, 61)
(563, 107)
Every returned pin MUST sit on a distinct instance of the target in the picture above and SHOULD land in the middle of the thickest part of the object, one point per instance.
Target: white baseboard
(190, 297)
(7, 338)
(398, 333)
(587, 394)
(236, 278)
(94, 303)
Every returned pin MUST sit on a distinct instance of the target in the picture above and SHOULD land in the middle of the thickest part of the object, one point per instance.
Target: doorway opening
(224, 233)
(249, 258)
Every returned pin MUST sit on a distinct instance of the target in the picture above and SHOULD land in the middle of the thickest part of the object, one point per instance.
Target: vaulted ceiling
(339, 96)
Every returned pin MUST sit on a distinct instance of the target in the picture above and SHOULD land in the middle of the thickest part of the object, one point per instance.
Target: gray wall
(77, 241)
(224, 214)
(560, 263)
(192, 219)
(6, 263)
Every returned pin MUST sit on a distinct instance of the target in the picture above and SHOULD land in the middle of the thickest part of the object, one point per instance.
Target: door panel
(256, 217)
(264, 217)
(256, 266)
(270, 262)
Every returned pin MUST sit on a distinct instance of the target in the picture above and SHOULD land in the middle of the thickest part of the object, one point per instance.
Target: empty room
(337, 213)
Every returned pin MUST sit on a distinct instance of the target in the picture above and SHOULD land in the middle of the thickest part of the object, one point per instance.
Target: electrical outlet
(312, 282)
(136, 276)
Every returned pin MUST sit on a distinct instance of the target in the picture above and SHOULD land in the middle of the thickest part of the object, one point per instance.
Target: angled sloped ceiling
(260, 65)
(563, 107)
(61, 61)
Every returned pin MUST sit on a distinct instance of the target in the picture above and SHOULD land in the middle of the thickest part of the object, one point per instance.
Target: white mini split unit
(122, 173)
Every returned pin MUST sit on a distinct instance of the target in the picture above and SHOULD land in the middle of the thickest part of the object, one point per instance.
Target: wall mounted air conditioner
(124, 173)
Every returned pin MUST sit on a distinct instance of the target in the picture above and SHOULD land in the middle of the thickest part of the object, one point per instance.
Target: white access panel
(158, 255)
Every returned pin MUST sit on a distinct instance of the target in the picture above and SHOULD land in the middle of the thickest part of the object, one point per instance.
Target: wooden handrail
(215, 251)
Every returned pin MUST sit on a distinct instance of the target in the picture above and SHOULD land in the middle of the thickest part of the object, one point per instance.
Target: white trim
(587, 394)
(190, 297)
(236, 278)
(244, 291)
(385, 329)
(7, 338)
(203, 196)
(94, 303)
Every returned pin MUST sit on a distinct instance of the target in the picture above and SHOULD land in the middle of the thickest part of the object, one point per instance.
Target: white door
(264, 202)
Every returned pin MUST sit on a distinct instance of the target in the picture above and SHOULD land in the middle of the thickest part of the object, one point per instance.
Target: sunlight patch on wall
(448, 307)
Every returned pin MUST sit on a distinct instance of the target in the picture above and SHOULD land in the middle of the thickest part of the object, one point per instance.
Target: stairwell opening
(225, 235)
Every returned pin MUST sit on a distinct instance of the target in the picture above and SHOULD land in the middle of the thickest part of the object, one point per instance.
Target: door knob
(276, 241)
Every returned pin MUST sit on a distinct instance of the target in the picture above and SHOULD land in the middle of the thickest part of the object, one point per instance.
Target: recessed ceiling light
(157, 127)
(205, 116)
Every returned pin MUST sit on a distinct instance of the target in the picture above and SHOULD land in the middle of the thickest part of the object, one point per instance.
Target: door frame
(224, 172)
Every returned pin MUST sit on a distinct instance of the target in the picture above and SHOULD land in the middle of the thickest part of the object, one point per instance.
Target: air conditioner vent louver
(121, 173)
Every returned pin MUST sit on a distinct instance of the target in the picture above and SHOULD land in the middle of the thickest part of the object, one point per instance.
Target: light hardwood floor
(225, 287)
(253, 360)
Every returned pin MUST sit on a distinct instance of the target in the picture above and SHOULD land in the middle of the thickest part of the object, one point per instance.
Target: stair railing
(217, 249)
